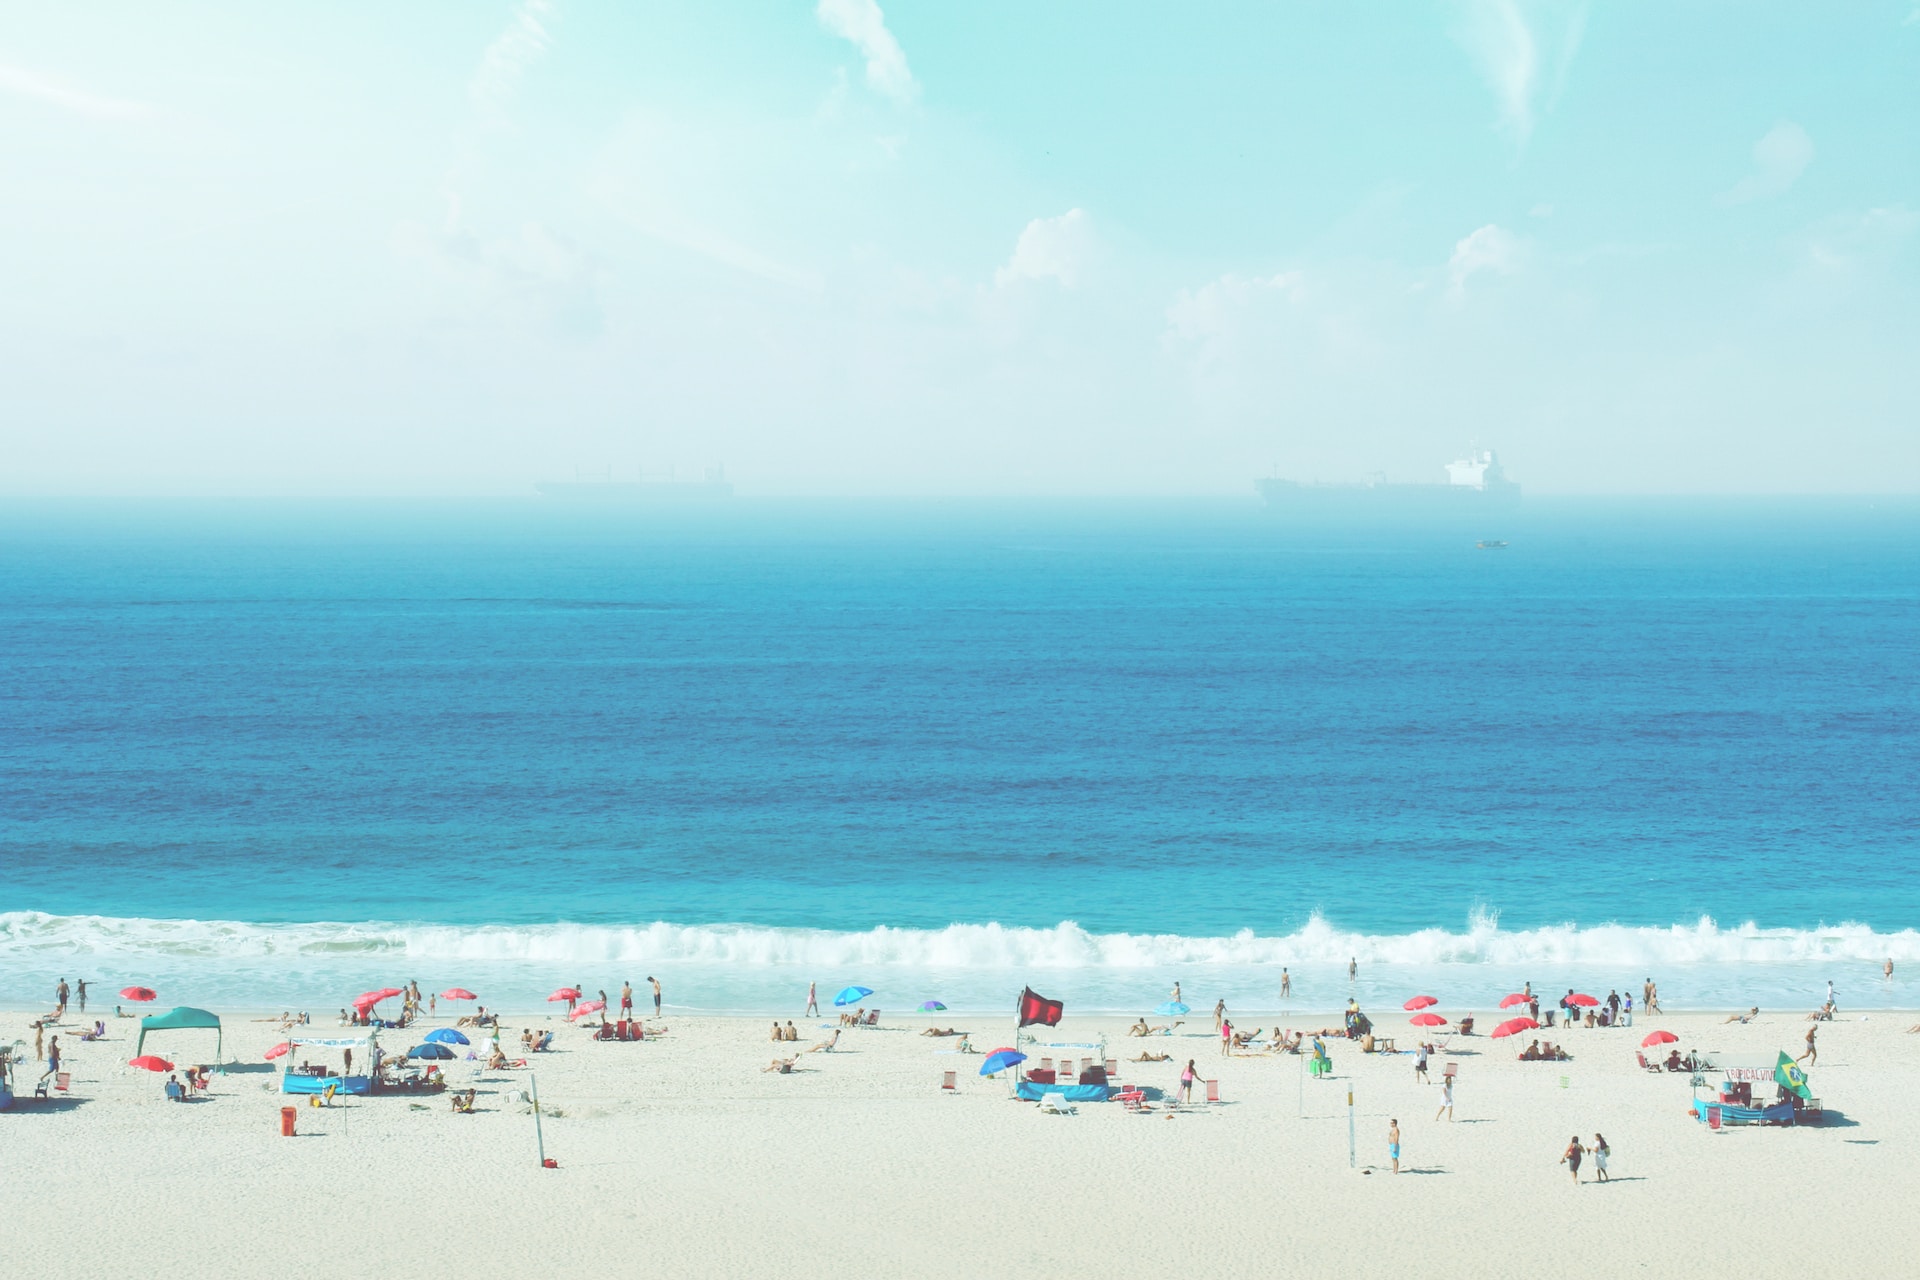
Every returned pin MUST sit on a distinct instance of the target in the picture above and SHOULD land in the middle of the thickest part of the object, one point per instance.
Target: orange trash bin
(287, 1115)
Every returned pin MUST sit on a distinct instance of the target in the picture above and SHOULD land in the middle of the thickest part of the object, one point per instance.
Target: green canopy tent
(180, 1019)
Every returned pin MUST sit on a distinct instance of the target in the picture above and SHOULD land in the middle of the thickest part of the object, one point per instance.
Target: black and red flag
(1037, 1008)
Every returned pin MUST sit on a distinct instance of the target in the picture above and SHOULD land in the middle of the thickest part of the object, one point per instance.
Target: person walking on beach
(1446, 1100)
(1353, 968)
(1219, 1013)
(1600, 1153)
(1812, 1054)
(1652, 994)
(1226, 1038)
(813, 1002)
(80, 991)
(1186, 1081)
(626, 999)
(1420, 1066)
(1571, 1157)
(53, 1058)
(1393, 1143)
(1831, 1006)
(1286, 981)
(656, 994)
(60, 998)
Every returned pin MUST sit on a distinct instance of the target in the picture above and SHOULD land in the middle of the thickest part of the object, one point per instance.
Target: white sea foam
(28, 937)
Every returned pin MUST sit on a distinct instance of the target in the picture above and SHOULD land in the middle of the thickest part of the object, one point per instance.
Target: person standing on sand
(60, 998)
(656, 994)
(1830, 1001)
(1286, 981)
(39, 1041)
(1600, 1153)
(1446, 1100)
(1420, 1066)
(1626, 1009)
(626, 998)
(1219, 1013)
(53, 1057)
(1652, 994)
(573, 999)
(1393, 1143)
(1571, 1157)
(813, 1002)
(1176, 991)
(1186, 1082)
(1226, 1039)
(80, 990)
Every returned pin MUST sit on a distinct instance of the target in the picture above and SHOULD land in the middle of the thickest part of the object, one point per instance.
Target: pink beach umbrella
(1518, 997)
(279, 1051)
(1583, 1000)
(151, 1063)
(1427, 1020)
(1514, 1026)
(458, 993)
(1420, 1002)
(1658, 1037)
(140, 994)
(564, 993)
(591, 1006)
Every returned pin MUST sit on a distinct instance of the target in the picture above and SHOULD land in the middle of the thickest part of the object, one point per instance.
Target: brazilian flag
(1790, 1077)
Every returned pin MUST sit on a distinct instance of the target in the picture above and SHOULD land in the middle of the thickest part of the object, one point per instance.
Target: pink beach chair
(1213, 1091)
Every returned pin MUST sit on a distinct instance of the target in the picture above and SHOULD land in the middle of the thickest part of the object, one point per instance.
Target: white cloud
(57, 93)
(861, 23)
(1511, 52)
(1050, 249)
(519, 46)
(1779, 159)
(1490, 248)
(1197, 315)
(1848, 241)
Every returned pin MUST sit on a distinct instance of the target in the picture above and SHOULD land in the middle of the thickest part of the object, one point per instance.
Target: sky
(855, 248)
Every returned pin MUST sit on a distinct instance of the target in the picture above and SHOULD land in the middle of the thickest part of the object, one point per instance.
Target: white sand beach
(680, 1156)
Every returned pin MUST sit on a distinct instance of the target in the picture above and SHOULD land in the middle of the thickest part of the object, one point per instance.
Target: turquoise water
(278, 753)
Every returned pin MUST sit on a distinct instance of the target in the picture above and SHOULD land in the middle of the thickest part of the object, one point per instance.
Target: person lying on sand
(936, 1031)
(1153, 1057)
(825, 1046)
(1744, 1018)
(782, 1065)
(1163, 1030)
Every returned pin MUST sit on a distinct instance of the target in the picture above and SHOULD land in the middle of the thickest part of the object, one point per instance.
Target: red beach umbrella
(1518, 997)
(458, 993)
(591, 1006)
(142, 994)
(1658, 1037)
(1420, 1002)
(279, 1050)
(1514, 1026)
(564, 993)
(151, 1063)
(1427, 1020)
(1583, 1000)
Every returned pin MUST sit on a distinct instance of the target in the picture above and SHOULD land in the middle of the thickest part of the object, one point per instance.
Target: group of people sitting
(1548, 1052)
(195, 1082)
(536, 1041)
(463, 1102)
(787, 1032)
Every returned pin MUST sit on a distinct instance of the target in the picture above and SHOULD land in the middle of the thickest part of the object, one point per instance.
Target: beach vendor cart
(1758, 1090)
(1085, 1082)
(303, 1077)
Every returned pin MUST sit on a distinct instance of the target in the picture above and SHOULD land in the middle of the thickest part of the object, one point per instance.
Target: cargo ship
(1476, 482)
(713, 485)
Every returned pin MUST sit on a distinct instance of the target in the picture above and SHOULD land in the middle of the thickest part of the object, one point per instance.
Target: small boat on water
(1490, 544)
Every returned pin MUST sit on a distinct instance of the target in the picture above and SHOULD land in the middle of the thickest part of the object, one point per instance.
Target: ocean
(271, 754)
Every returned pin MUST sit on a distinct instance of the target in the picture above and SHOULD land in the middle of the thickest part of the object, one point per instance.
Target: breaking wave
(27, 936)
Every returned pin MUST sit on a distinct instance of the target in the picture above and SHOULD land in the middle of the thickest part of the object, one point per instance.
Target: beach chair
(1113, 1068)
(1046, 1064)
(1213, 1091)
(1055, 1104)
(61, 1081)
(1131, 1099)
(873, 1019)
(947, 1080)
(1453, 1069)
(1647, 1066)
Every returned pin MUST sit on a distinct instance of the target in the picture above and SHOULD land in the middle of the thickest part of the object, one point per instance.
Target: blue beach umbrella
(1172, 1009)
(1000, 1059)
(933, 1006)
(852, 995)
(446, 1035)
(430, 1051)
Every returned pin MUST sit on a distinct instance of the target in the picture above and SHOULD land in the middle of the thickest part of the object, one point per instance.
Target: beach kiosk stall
(1758, 1090)
(181, 1019)
(302, 1077)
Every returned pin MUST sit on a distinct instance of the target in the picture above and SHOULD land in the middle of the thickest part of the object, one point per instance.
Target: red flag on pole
(1035, 1008)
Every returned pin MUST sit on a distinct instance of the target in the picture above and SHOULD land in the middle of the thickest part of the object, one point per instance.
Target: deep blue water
(1148, 718)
